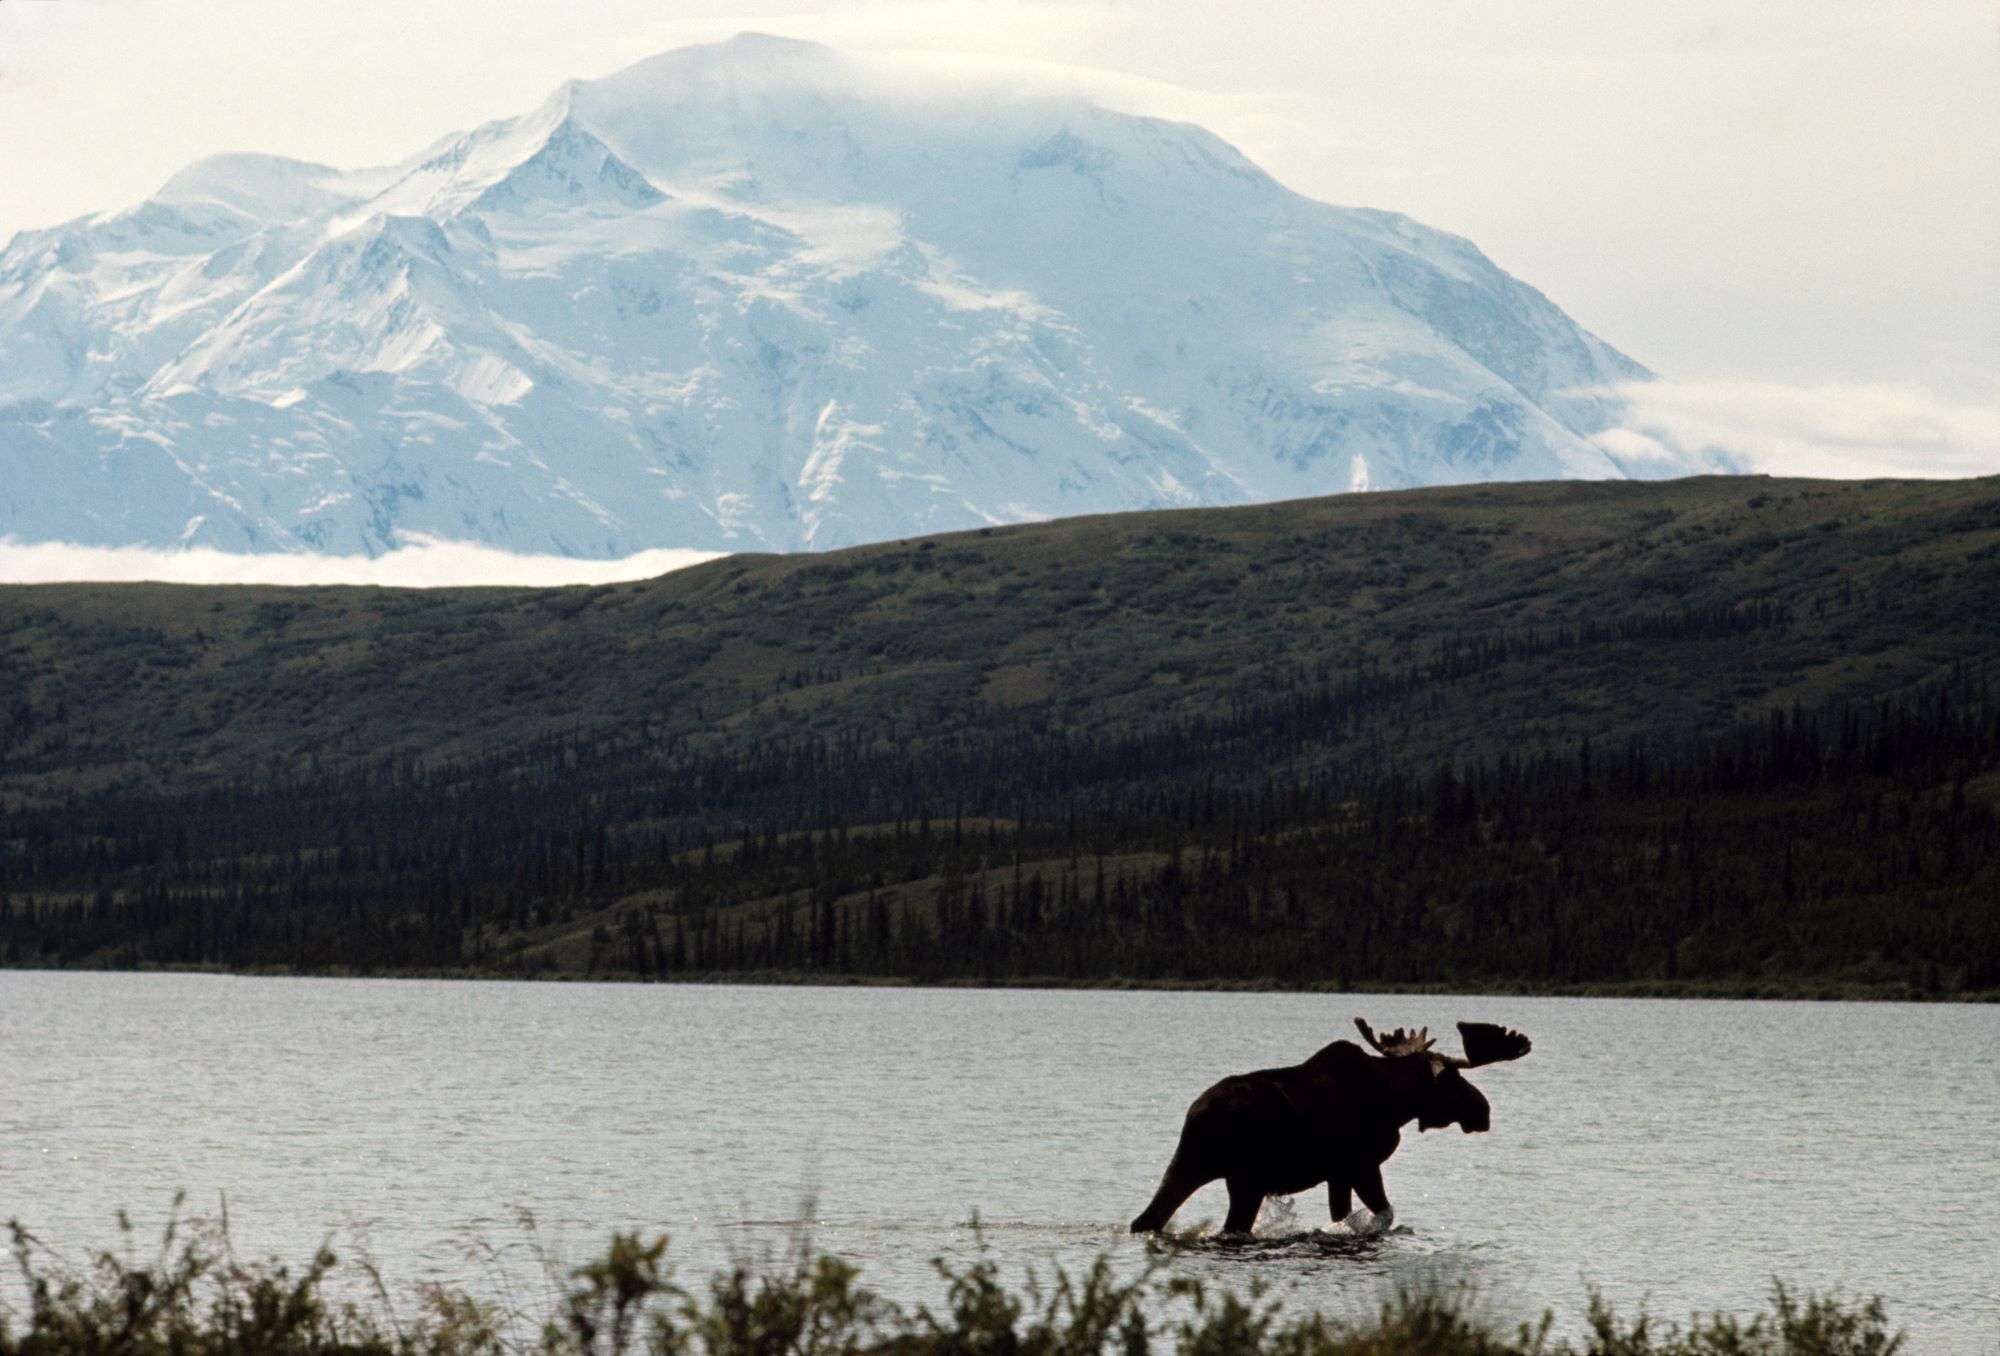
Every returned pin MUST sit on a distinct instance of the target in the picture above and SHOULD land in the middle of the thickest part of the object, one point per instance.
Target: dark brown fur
(1334, 1119)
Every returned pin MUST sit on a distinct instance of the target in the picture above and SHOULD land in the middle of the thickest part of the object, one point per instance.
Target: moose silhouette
(1335, 1119)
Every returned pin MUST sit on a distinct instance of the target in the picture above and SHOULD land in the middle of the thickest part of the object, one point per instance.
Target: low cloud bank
(1836, 432)
(421, 562)
(1665, 428)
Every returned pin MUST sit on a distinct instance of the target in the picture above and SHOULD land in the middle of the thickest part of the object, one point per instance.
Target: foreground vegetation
(196, 1299)
(1708, 736)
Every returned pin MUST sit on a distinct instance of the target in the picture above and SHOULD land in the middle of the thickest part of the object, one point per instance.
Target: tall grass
(194, 1297)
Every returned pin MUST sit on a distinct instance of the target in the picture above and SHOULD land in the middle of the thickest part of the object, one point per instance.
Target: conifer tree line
(1272, 839)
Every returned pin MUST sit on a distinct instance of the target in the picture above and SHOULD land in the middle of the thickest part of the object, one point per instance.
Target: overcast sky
(1791, 205)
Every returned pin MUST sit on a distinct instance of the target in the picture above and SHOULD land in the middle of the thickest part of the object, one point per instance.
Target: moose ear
(1489, 1044)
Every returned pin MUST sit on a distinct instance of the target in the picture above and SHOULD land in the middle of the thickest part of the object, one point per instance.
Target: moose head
(1439, 1091)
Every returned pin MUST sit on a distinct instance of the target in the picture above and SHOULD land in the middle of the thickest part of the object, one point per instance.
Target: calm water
(1676, 1153)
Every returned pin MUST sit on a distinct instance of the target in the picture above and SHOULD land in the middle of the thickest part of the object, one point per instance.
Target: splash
(1281, 1232)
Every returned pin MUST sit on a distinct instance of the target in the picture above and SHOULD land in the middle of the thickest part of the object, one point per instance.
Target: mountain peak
(758, 46)
(746, 55)
(264, 187)
(764, 294)
(568, 167)
(547, 159)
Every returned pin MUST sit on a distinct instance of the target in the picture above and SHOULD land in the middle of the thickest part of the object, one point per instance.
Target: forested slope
(1737, 730)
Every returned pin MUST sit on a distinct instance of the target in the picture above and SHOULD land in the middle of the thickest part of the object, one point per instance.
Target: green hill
(511, 779)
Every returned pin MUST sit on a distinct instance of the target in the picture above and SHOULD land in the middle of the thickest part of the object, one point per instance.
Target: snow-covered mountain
(757, 296)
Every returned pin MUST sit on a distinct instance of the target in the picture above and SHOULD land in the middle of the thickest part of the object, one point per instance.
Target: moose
(1335, 1119)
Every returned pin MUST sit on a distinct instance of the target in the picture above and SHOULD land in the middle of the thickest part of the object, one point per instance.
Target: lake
(1676, 1153)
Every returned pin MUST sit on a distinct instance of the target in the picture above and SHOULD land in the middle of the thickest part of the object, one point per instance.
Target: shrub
(193, 1298)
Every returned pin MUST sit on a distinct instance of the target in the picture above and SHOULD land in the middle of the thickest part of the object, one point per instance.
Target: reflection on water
(1257, 1250)
(1679, 1154)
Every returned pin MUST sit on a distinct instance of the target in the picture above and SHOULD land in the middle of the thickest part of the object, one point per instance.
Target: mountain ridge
(1789, 593)
(629, 318)
(1718, 734)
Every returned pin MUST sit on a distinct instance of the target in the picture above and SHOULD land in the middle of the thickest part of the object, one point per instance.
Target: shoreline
(1787, 990)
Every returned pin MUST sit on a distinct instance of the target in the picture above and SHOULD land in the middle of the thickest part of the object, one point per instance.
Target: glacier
(756, 296)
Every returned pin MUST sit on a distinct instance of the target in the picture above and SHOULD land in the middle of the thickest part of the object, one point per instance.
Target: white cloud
(422, 562)
(1837, 432)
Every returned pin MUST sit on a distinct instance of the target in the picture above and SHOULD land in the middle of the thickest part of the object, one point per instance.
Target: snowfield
(752, 296)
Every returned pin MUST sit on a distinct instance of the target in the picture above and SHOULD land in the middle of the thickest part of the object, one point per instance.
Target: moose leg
(1339, 1199)
(1244, 1203)
(1174, 1190)
(1368, 1186)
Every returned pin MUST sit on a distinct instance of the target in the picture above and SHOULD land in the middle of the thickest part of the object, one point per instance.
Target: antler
(1398, 1042)
(1489, 1044)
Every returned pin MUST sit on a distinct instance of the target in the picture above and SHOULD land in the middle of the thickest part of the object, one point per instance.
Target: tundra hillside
(1721, 734)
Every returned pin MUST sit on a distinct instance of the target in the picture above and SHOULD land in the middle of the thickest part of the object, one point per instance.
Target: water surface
(1676, 1153)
